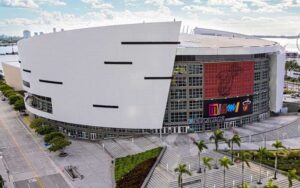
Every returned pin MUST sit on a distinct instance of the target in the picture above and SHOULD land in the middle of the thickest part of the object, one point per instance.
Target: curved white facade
(119, 76)
(76, 58)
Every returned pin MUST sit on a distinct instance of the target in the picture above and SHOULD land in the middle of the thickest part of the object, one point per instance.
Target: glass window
(265, 75)
(195, 81)
(195, 93)
(194, 115)
(178, 93)
(195, 69)
(195, 104)
(257, 76)
(179, 81)
(178, 117)
(179, 69)
(178, 105)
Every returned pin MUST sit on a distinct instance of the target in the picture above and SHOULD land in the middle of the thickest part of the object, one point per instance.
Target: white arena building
(148, 78)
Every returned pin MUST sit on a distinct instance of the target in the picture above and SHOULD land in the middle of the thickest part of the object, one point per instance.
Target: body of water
(289, 44)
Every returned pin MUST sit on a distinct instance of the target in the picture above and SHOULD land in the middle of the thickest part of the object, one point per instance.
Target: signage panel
(228, 79)
(232, 107)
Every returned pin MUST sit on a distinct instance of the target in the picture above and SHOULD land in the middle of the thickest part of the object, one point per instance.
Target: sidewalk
(4, 173)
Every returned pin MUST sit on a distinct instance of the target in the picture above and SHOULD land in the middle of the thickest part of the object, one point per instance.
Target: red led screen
(228, 79)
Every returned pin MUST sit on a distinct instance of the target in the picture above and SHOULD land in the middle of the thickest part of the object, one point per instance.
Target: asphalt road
(26, 160)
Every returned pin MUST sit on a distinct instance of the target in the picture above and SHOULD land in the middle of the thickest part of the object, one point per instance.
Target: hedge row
(13, 97)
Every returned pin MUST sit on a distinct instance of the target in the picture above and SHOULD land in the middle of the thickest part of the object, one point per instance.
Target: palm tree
(277, 145)
(291, 176)
(206, 163)
(236, 139)
(244, 158)
(181, 169)
(262, 151)
(270, 185)
(201, 146)
(225, 163)
(217, 136)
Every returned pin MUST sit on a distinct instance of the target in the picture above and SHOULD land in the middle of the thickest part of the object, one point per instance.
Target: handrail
(147, 179)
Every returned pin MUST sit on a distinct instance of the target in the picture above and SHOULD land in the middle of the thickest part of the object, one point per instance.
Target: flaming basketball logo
(246, 105)
(226, 79)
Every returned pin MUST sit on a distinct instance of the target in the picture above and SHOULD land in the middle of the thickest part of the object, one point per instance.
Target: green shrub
(19, 105)
(42, 130)
(59, 143)
(9, 92)
(37, 122)
(1, 182)
(53, 135)
(5, 87)
(289, 91)
(13, 98)
(125, 164)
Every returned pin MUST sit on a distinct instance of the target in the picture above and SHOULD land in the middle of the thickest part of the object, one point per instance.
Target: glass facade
(186, 95)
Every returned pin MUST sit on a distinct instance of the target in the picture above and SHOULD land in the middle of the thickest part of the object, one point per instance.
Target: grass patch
(27, 120)
(126, 164)
(287, 159)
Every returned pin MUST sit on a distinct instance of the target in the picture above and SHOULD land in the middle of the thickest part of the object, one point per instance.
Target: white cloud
(196, 9)
(52, 2)
(164, 2)
(174, 2)
(20, 3)
(21, 22)
(98, 4)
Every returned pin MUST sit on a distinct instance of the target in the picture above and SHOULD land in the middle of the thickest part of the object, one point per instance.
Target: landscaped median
(287, 159)
(56, 141)
(15, 98)
(131, 171)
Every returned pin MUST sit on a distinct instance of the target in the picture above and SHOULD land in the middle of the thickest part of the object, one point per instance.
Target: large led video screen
(231, 107)
(228, 79)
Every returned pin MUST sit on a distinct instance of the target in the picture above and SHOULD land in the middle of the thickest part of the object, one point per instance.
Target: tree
(291, 65)
(9, 92)
(42, 130)
(225, 163)
(270, 185)
(217, 136)
(201, 146)
(206, 164)
(58, 144)
(236, 139)
(262, 151)
(277, 145)
(19, 105)
(13, 98)
(244, 158)
(181, 169)
(53, 135)
(292, 174)
(37, 122)
(1, 182)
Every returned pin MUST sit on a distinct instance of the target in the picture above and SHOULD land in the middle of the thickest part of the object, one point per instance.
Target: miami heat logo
(246, 105)
(226, 78)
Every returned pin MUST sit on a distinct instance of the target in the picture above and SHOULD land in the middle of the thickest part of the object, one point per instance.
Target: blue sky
(272, 17)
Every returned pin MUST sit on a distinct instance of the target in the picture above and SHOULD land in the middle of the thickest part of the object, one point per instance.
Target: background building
(26, 34)
(12, 74)
(148, 78)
